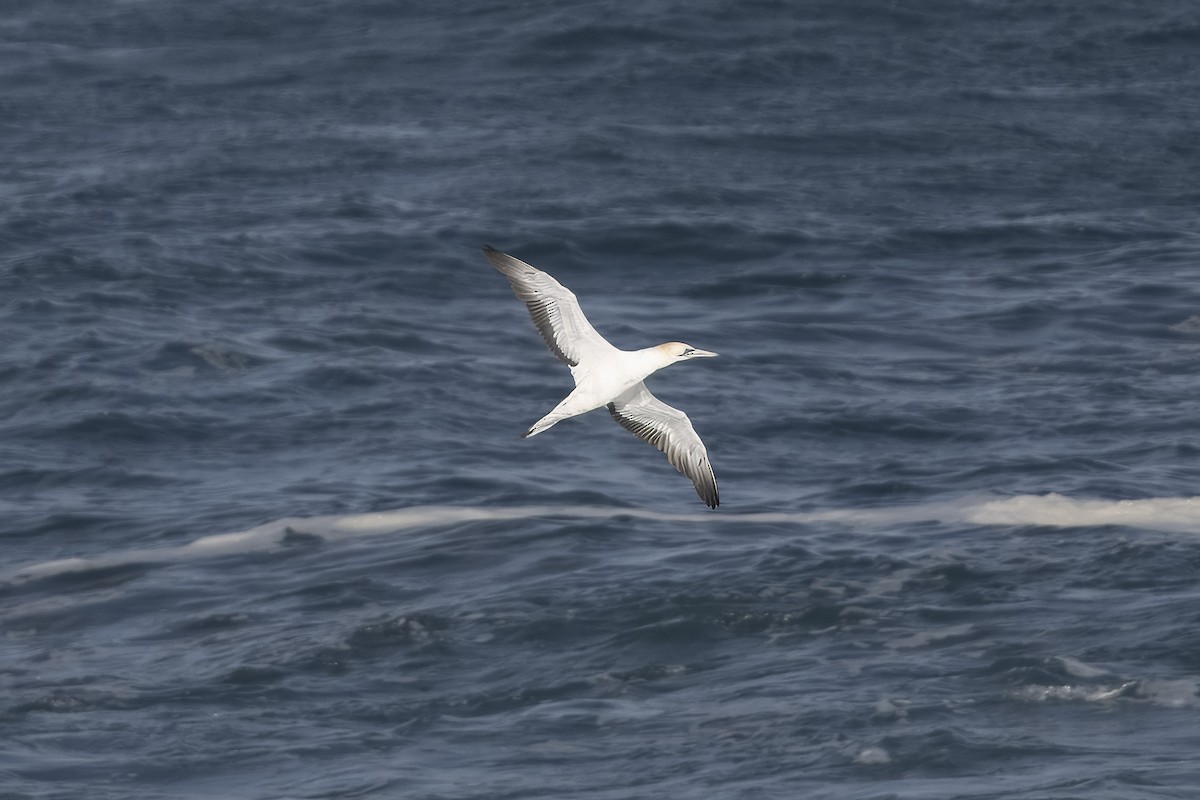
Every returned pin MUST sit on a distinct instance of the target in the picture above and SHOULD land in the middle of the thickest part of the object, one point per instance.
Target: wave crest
(1172, 514)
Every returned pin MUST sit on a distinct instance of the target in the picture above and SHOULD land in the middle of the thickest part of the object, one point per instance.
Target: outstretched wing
(670, 430)
(554, 309)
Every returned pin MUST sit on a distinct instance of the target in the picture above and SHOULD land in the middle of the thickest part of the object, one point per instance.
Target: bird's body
(606, 376)
(600, 379)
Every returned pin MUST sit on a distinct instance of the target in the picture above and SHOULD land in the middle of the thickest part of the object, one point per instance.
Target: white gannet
(607, 376)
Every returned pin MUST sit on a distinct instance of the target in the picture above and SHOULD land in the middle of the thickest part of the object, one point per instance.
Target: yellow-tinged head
(679, 351)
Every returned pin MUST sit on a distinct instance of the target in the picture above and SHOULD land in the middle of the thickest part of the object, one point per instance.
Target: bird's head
(679, 351)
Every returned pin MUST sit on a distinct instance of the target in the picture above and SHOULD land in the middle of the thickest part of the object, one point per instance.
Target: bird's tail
(545, 423)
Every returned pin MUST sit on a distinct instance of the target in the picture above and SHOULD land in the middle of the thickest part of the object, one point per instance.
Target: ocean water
(268, 529)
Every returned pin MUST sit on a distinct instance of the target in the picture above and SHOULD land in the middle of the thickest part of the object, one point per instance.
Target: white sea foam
(1181, 514)
(1168, 693)
(1175, 514)
(872, 756)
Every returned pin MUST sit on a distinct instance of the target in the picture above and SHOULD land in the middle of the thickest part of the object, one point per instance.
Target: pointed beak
(703, 354)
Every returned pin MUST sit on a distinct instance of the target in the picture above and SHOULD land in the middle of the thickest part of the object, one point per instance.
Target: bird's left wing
(554, 309)
(670, 430)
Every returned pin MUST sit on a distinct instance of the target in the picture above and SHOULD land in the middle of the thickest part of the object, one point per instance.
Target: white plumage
(607, 376)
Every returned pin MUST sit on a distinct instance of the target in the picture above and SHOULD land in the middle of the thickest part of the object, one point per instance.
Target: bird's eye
(689, 351)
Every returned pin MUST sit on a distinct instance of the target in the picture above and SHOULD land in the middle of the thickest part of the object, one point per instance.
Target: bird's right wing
(670, 430)
(554, 309)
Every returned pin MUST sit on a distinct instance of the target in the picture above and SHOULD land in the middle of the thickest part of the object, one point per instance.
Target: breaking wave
(1172, 514)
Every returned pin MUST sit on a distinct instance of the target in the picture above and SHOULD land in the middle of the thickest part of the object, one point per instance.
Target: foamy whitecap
(1055, 510)
(1175, 514)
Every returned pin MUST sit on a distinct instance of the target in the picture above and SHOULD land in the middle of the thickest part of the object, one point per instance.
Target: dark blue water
(948, 253)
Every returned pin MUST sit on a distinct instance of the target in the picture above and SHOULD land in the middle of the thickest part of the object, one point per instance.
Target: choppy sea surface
(268, 530)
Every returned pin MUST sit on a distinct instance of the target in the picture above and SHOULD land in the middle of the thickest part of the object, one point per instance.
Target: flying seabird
(609, 377)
